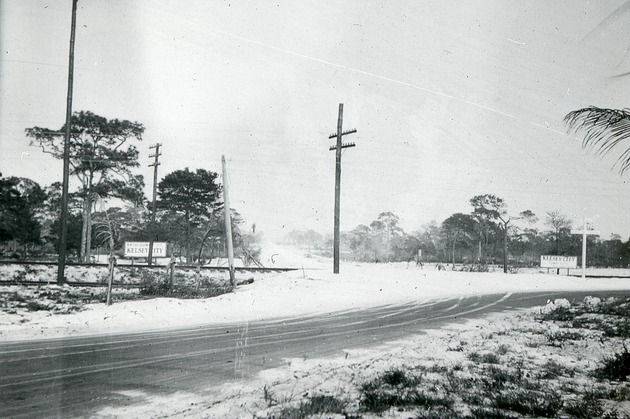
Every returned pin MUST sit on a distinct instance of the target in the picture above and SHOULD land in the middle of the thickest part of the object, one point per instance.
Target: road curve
(75, 377)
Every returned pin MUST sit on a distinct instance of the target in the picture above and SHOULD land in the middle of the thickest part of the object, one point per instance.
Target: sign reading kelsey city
(551, 261)
(141, 249)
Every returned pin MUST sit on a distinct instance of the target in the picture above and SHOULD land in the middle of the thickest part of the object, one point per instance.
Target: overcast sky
(449, 99)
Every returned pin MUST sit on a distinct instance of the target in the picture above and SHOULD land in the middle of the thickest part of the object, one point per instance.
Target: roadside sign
(553, 261)
(141, 249)
(588, 232)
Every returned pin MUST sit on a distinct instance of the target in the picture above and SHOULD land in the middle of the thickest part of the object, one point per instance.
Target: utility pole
(155, 165)
(63, 236)
(228, 223)
(339, 134)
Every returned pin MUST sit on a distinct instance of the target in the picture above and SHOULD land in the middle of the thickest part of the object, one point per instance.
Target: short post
(171, 274)
(110, 279)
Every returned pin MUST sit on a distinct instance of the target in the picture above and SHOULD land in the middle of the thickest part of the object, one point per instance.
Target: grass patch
(488, 413)
(398, 388)
(487, 358)
(315, 405)
(529, 402)
(557, 338)
(552, 370)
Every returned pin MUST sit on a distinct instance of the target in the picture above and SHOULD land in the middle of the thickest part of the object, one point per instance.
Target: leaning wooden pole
(228, 223)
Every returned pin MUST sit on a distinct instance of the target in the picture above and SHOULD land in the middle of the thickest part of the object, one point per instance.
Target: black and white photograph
(338, 209)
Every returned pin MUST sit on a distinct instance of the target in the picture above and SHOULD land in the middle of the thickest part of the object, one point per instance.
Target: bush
(588, 407)
(616, 368)
(397, 388)
(488, 358)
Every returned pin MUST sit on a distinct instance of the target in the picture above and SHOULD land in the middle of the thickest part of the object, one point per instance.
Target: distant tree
(429, 242)
(458, 228)
(189, 200)
(494, 208)
(385, 232)
(74, 230)
(359, 241)
(101, 159)
(560, 227)
(215, 234)
(527, 244)
(20, 202)
(489, 234)
(404, 247)
(612, 253)
(300, 238)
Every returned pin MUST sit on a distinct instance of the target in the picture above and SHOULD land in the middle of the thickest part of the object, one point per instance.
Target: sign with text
(552, 261)
(141, 249)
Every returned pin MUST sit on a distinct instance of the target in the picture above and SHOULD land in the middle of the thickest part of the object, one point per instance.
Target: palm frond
(603, 130)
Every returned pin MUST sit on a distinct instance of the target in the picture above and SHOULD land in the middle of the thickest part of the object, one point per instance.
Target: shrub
(552, 370)
(488, 358)
(588, 407)
(615, 368)
(396, 377)
(397, 388)
(497, 378)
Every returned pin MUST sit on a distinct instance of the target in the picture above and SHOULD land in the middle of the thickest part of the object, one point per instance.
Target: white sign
(552, 261)
(589, 232)
(141, 249)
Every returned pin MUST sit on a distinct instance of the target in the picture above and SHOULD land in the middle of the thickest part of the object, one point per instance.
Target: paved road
(75, 377)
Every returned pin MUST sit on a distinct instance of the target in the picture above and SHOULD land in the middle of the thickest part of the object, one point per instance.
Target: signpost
(584, 232)
(558, 262)
(553, 261)
(141, 249)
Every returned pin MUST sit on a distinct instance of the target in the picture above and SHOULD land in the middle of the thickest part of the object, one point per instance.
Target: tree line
(107, 189)
(489, 234)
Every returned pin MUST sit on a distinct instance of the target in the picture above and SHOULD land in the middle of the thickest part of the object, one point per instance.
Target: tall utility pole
(155, 165)
(63, 235)
(228, 223)
(339, 134)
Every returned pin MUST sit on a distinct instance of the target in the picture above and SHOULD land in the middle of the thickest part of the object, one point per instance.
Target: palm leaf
(603, 130)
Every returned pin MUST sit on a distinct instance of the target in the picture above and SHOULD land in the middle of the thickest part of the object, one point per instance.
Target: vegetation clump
(315, 405)
(615, 368)
(398, 388)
